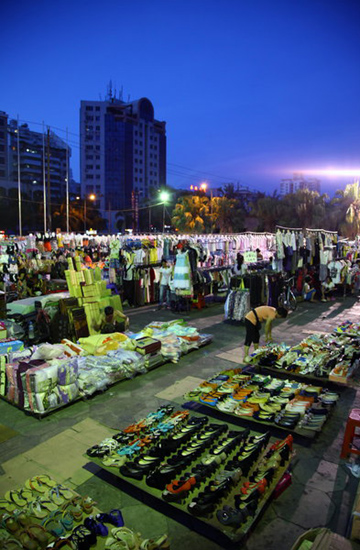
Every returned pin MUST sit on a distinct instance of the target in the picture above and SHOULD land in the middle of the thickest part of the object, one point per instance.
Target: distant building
(297, 182)
(34, 148)
(3, 146)
(123, 149)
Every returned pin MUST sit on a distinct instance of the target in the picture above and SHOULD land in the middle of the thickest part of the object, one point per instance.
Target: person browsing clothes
(253, 320)
(166, 272)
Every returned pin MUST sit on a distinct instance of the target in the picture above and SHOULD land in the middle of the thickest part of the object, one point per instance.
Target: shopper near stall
(239, 268)
(166, 272)
(253, 320)
(112, 321)
(327, 289)
(308, 291)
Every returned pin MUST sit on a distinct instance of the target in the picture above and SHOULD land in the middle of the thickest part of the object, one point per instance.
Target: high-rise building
(291, 185)
(123, 149)
(3, 146)
(40, 155)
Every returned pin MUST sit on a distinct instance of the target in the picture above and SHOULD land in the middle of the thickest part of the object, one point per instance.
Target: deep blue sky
(251, 90)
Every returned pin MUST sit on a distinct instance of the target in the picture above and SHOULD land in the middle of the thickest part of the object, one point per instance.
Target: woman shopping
(253, 321)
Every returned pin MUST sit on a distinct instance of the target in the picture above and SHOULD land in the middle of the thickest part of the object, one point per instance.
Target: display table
(259, 404)
(180, 506)
(27, 305)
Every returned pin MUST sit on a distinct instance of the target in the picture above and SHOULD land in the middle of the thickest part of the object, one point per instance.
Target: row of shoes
(215, 457)
(41, 511)
(117, 538)
(126, 441)
(238, 466)
(246, 502)
(187, 443)
(264, 398)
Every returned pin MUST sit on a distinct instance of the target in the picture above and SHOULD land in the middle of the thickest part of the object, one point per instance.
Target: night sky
(251, 90)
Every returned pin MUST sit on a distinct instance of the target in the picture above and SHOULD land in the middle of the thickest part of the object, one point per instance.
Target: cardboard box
(324, 539)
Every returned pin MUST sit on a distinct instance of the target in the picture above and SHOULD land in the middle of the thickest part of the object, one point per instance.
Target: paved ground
(322, 492)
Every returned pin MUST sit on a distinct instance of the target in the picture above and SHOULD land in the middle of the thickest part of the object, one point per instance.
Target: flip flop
(6, 505)
(59, 494)
(41, 483)
(126, 535)
(21, 498)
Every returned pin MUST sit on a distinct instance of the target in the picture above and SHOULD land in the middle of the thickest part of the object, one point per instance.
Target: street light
(164, 197)
(91, 197)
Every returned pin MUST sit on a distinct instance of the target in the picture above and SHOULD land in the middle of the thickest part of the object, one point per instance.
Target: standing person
(240, 267)
(253, 322)
(165, 275)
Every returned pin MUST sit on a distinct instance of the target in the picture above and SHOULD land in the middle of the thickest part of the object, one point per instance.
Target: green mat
(6, 433)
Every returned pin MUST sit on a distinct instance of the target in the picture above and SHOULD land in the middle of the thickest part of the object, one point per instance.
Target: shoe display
(270, 400)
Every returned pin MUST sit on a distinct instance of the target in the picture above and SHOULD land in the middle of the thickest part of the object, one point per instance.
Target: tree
(266, 209)
(191, 214)
(349, 206)
(227, 215)
(94, 219)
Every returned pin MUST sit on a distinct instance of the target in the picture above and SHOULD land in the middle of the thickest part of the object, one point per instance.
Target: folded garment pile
(43, 378)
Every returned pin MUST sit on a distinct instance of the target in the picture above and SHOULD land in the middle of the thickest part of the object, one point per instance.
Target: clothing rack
(282, 228)
(146, 266)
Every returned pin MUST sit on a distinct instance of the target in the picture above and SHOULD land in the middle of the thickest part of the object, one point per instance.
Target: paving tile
(180, 387)
(328, 477)
(152, 525)
(300, 504)
(278, 534)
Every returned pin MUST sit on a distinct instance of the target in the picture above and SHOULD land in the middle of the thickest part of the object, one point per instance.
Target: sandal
(41, 507)
(41, 483)
(128, 536)
(85, 503)
(11, 544)
(73, 509)
(114, 460)
(59, 494)
(21, 498)
(39, 533)
(115, 544)
(28, 540)
(162, 543)
(10, 523)
(6, 505)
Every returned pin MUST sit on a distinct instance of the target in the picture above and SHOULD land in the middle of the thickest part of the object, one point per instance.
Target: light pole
(164, 196)
(91, 197)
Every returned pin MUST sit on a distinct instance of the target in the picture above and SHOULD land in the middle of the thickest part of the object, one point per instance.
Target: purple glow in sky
(251, 90)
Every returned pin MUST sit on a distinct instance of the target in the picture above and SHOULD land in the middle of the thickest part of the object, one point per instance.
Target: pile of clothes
(50, 376)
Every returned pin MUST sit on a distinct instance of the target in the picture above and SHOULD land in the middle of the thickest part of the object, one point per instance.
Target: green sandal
(128, 536)
(21, 498)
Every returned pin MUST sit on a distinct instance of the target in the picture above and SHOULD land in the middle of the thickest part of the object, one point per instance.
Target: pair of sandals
(122, 538)
(104, 448)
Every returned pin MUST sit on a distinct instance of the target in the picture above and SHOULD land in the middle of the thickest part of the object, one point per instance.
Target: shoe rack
(210, 476)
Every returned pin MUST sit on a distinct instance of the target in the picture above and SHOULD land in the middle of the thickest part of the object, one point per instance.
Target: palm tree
(76, 216)
(267, 209)
(191, 213)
